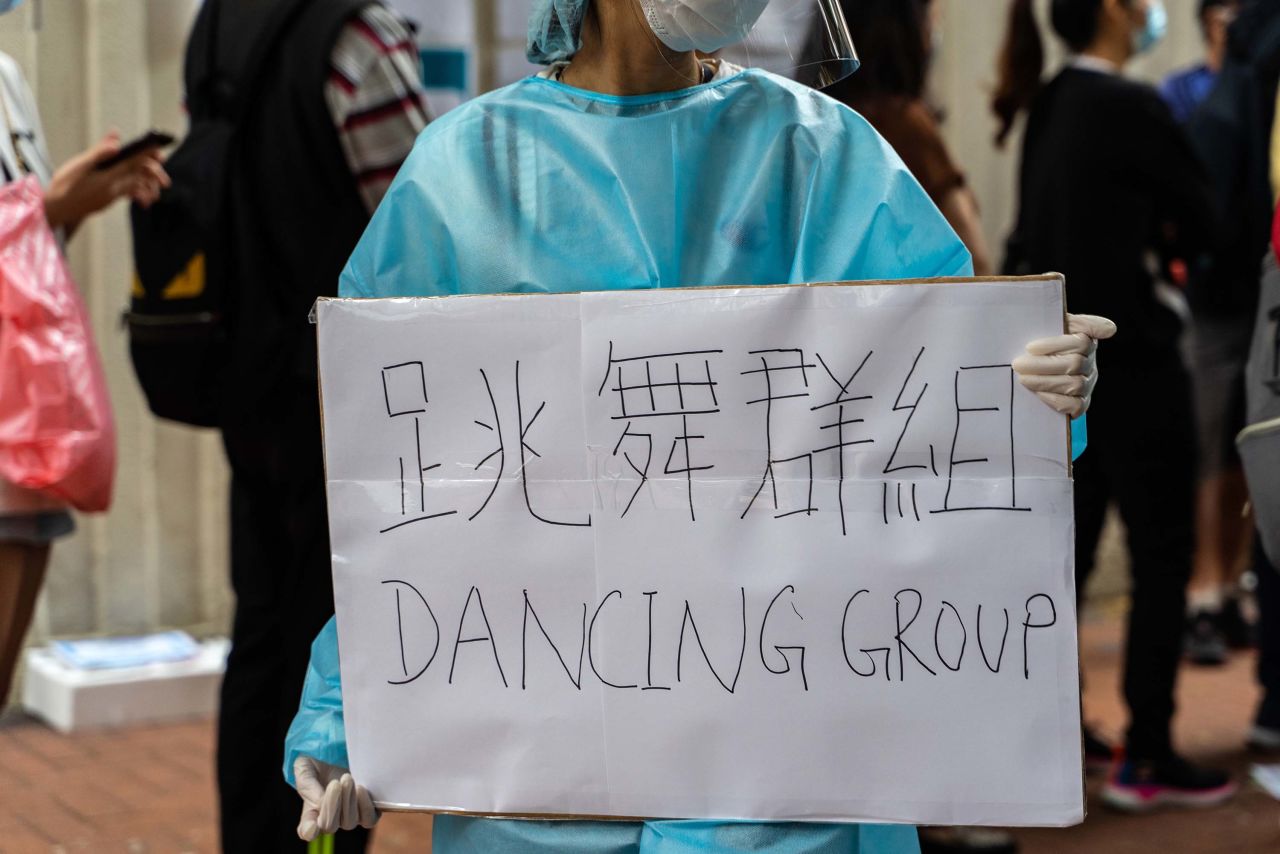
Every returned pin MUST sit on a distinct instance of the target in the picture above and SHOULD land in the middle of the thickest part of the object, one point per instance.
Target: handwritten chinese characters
(811, 420)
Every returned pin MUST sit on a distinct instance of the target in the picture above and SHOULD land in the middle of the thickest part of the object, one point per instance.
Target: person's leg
(1210, 556)
(1154, 475)
(22, 571)
(1236, 525)
(249, 756)
(283, 581)
(1219, 349)
(1155, 489)
(1267, 722)
(1203, 640)
(309, 583)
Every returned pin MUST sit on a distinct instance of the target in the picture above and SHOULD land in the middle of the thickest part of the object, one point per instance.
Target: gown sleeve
(318, 729)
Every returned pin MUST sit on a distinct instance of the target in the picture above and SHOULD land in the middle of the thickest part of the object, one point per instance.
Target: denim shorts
(35, 528)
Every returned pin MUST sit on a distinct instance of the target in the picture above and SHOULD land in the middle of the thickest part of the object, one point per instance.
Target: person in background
(1263, 407)
(30, 521)
(1108, 181)
(1231, 131)
(888, 90)
(662, 158)
(1185, 90)
(330, 122)
(1262, 398)
(1217, 345)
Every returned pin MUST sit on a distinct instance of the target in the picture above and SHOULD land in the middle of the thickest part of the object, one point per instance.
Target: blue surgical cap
(555, 30)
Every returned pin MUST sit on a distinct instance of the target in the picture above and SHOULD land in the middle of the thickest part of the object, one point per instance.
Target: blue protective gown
(748, 180)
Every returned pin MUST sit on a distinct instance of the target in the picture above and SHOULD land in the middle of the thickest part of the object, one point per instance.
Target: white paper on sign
(794, 553)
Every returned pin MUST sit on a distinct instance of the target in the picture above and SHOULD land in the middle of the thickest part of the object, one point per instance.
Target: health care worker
(635, 161)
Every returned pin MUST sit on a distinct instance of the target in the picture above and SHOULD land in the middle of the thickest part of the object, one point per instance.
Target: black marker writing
(524, 637)
(460, 640)
(1003, 638)
(591, 658)
(937, 642)
(400, 631)
(1028, 625)
(688, 621)
(844, 643)
(648, 668)
(782, 650)
(901, 629)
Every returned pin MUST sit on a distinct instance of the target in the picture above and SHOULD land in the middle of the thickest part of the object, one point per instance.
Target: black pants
(280, 572)
(1268, 638)
(1142, 456)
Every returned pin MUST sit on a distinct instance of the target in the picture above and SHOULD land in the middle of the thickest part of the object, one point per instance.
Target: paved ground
(1215, 710)
(150, 790)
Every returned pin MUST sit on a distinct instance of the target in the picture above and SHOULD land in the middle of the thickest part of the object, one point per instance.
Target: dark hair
(1021, 59)
(889, 36)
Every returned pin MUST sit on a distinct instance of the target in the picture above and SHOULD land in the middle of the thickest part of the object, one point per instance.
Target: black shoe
(1098, 755)
(1238, 632)
(1264, 739)
(946, 840)
(1203, 643)
(1144, 785)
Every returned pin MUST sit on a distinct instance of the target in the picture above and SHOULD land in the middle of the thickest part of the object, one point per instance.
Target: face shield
(804, 40)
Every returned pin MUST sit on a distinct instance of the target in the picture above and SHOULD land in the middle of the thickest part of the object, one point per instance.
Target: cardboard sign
(761, 553)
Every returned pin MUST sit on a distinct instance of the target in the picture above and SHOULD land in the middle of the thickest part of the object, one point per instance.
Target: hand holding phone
(150, 139)
(105, 173)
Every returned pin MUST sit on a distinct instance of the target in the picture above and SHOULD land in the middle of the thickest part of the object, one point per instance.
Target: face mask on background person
(704, 25)
(1153, 29)
(9, 5)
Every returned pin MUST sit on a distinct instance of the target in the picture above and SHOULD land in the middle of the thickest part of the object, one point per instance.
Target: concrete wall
(159, 558)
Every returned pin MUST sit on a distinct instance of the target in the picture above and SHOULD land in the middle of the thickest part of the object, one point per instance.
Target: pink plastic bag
(57, 432)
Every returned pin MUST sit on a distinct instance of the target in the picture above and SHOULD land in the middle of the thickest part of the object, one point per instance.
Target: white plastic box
(70, 700)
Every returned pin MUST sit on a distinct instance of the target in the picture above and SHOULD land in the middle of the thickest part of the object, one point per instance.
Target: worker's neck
(1113, 50)
(1215, 56)
(621, 56)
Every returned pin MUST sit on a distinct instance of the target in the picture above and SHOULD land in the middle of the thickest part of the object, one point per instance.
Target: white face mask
(705, 25)
(1153, 29)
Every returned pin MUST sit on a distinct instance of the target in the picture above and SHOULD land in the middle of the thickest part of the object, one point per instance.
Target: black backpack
(183, 260)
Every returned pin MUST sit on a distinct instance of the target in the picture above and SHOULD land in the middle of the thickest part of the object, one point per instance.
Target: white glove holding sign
(1063, 370)
(331, 800)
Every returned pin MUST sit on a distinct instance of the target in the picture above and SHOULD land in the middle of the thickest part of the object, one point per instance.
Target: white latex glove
(1063, 370)
(331, 800)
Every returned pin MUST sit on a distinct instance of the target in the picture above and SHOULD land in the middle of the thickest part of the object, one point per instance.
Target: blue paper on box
(110, 653)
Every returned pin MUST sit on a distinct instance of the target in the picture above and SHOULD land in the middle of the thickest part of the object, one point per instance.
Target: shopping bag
(57, 431)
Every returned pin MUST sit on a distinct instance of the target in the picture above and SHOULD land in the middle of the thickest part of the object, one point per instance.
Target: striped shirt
(375, 96)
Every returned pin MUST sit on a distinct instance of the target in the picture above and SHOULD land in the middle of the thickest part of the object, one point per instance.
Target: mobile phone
(150, 139)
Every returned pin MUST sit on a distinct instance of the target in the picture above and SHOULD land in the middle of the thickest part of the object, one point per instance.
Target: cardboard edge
(935, 280)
